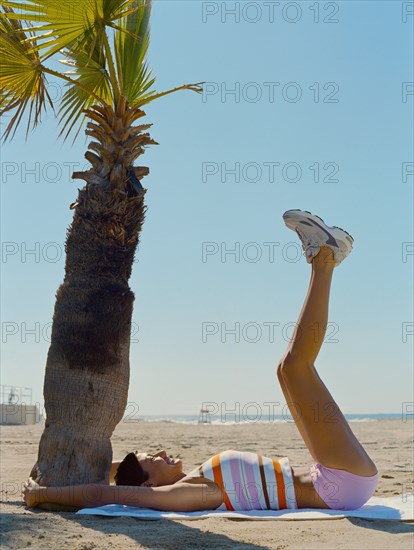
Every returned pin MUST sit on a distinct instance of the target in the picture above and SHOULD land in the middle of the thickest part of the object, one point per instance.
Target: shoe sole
(298, 215)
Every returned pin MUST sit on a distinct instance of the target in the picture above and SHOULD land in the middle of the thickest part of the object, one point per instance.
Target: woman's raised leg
(321, 423)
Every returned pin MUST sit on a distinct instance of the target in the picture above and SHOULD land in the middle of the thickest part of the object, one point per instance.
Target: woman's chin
(174, 462)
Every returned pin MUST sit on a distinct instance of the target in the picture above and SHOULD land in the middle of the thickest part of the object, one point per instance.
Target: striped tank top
(250, 481)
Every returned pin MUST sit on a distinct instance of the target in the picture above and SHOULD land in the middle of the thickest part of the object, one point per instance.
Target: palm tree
(104, 43)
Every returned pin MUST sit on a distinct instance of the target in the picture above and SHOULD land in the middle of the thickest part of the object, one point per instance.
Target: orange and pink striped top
(250, 481)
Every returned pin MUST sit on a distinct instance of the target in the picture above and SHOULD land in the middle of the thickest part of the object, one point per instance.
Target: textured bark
(87, 370)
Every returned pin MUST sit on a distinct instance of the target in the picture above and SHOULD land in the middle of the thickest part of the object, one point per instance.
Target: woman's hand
(31, 493)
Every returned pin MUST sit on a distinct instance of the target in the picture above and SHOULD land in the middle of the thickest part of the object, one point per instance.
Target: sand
(388, 442)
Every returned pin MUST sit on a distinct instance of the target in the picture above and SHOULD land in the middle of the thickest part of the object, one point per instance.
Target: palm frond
(98, 75)
(131, 43)
(89, 73)
(22, 80)
(75, 24)
(147, 98)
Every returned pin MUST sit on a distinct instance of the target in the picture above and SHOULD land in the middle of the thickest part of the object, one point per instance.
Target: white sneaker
(314, 233)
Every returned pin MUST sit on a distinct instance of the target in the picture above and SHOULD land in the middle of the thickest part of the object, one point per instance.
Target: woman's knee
(279, 373)
(291, 363)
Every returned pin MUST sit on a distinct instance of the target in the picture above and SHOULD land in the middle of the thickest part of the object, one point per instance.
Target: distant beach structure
(204, 416)
(16, 406)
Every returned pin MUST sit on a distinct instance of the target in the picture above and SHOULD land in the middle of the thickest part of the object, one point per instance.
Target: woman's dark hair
(130, 471)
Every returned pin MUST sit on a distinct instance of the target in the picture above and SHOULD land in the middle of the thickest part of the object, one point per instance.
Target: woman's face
(161, 469)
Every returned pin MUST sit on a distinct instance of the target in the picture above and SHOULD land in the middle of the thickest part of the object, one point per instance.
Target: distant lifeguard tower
(204, 416)
(16, 406)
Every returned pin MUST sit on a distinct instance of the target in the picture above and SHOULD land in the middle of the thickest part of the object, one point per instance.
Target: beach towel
(398, 508)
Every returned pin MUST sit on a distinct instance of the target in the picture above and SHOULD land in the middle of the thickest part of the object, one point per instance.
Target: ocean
(230, 419)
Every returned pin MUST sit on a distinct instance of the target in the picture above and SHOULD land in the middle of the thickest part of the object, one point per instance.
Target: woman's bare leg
(294, 413)
(322, 425)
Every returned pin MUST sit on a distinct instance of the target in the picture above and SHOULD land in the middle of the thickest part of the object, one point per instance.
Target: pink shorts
(341, 490)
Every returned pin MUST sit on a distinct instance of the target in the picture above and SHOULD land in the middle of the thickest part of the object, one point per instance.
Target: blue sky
(320, 118)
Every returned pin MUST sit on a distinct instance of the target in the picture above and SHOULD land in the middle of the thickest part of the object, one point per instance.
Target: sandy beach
(388, 442)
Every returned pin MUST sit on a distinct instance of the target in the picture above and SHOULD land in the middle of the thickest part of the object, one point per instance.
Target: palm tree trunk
(87, 369)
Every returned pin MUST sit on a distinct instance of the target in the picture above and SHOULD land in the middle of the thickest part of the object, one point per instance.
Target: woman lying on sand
(343, 476)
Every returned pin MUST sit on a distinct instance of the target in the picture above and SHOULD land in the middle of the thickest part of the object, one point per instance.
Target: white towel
(399, 508)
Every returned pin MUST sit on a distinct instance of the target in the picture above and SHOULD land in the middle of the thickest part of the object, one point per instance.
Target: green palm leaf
(98, 73)
(131, 45)
(22, 81)
(91, 73)
(75, 24)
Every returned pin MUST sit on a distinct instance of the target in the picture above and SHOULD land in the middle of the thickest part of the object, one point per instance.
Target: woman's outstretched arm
(181, 497)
